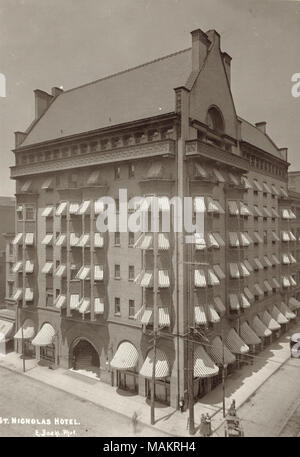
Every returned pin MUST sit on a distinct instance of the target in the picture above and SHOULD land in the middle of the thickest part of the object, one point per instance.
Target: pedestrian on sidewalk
(208, 425)
(181, 405)
(134, 421)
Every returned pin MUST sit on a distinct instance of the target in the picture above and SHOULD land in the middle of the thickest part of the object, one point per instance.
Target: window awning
(256, 185)
(145, 241)
(285, 259)
(17, 267)
(275, 259)
(274, 212)
(244, 210)
(29, 266)
(216, 351)
(292, 236)
(260, 328)
(234, 302)
(26, 186)
(28, 294)
(200, 171)
(245, 302)
(286, 311)
(292, 214)
(267, 261)
(292, 281)
(248, 294)
(270, 322)
(278, 316)
(74, 301)
(98, 273)
(283, 192)
(200, 316)
(274, 190)
(98, 305)
(257, 237)
(219, 239)
(17, 239)
(84, 306)
(83, 273)
(47, 239)
(234, 270)
(83, 240)
(248, 335)
(61, 209)
(126, 357)
(292, 258)
(235, 344)
(276, 283)
(266, 212)
(219, 177)
(245, 240)
(93, 177)
(275, 236)
(18, 294)
(204, 367)
(45, 336)
(162, 368)
(219, 272)
(234, 180)
(163, 317)
(199, 205)
(293, 303)
(285, 213)
(200, 279)
(220, 307)
(29, 237)
(84, 207)
(147, 316)
(60, 271)
(233, 239)
(285, 236)
(212, 315)
(243, 270)
(47, 184)
(256, 211)
(248, 265)
(73, 239)
(212, 279)
(26, 331)
(286, 281)
(6, 330)
(266, 188)
(73, 208)
(257, 290)
(60, 301)
(98, 206)
(61, 240)
(233, 208)
(257, 264)
(47, 211)
(267, 286)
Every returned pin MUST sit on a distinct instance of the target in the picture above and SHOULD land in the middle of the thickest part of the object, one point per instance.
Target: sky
(46, 43)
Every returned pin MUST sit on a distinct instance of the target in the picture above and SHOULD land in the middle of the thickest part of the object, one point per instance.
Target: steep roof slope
(137, 93)
(256, 137)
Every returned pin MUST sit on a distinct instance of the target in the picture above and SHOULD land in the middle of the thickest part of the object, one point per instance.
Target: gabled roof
(138, 93)
(256, 137)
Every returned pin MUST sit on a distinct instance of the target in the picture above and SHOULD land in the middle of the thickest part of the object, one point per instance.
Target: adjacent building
(86, 299)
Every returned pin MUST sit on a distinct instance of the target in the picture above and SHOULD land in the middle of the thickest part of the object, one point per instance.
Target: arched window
(215, 120)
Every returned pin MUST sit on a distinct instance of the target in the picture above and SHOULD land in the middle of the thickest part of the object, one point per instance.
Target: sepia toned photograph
(149, 221)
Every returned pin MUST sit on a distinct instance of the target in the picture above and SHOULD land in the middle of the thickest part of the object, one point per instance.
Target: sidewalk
(241, 385)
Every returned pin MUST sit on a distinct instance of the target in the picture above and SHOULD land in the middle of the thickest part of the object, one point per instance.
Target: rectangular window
(131, 273)
(131, 170)
(130, 238)
(117, 239)
(11, 249)
(265, 236)
(72, 180)
(131, 310)
(117, 272)
(117, 306)
(49, 297)
(117, 172)
(10, 288)
(29, 213)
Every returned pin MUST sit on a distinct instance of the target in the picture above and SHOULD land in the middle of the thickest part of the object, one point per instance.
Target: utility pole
(155, 309)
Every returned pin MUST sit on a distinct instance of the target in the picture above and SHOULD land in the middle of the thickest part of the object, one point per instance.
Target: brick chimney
(262, 126)
(42, 101)
(200, 44)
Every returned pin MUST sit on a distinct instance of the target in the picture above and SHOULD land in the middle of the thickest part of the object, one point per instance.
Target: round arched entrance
(85, 358)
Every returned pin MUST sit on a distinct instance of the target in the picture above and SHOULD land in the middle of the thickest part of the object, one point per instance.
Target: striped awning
(234, 302)
(61, 208)
(204, 367)
(163, 317)
(126, 357)
(83, 240)
(29, 239)
(216, 351)
(6, 330)
(270, 322)
(260, 328)
(17, 239)
(84, 207)
(248, 335)
(145, 241)
(200, 316)
(278, 316)
(98, 305)
(286, 311)
(145, 279)
(47, 211)
(74, 301)
(235, 343)
(212, 315)
(245, 302)
(47, 267)
(147, 316)
(84, 306)
(60, 301)
(47, 239)
(293, 303)
(162, 367)
(26, 331)
(45, 336)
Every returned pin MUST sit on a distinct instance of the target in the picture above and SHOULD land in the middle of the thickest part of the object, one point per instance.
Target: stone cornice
(139, 151)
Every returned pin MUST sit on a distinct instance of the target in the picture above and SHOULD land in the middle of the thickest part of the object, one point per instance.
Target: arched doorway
(85, 359)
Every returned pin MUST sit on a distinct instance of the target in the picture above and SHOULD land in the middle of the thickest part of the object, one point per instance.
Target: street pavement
(22, 397)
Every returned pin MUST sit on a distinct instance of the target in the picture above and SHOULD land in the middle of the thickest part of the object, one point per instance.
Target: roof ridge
(127, 70)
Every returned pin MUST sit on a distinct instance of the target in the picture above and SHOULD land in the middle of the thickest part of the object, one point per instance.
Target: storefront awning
(270, 322)
(162, 368)
(204, 367)
(216, 351)
(126, 357)
(248, 335)
(6, 330)
(235, 344)
(260, 328)
(26, 331)
(45, 336)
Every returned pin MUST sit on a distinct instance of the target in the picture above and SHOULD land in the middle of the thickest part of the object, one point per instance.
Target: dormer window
(215, 120)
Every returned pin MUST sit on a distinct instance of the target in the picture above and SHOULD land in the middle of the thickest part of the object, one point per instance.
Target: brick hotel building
(85, 299)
